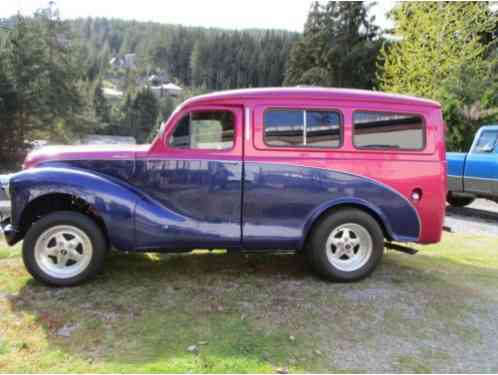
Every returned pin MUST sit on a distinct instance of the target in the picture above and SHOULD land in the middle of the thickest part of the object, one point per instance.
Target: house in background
(166, 89)
(128, 61)
(112, 93)
(161, 86)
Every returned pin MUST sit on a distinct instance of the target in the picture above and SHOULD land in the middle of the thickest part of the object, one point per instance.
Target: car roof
(312, 93)
(489, 127)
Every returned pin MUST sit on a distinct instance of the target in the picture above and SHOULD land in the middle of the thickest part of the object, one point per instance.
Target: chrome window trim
(248, 123)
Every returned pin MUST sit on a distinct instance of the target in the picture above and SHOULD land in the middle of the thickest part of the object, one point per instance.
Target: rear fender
(360, 204)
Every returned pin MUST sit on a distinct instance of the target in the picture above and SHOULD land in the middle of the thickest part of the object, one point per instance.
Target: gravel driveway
(479, 217)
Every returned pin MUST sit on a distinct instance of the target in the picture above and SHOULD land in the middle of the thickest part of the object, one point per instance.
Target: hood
(83, 152)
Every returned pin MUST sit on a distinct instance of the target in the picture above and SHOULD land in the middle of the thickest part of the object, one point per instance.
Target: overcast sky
(228, 14)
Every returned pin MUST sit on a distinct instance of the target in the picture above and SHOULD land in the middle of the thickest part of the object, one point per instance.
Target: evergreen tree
(144, 114)
(339, 47)
(101, 105)
(62, 98)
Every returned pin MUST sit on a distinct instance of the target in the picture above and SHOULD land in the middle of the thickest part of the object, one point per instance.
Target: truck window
(381, 130)
(302, 128)
(213, 130)
(486, 142)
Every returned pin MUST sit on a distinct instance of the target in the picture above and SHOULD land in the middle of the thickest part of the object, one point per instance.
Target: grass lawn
(435, 311)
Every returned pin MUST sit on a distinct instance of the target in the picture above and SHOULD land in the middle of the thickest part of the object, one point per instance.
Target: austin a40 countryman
(334, 174)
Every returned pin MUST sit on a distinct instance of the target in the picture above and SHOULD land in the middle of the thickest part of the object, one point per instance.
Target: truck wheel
(457, 201)
(346, 246)
(64, 249)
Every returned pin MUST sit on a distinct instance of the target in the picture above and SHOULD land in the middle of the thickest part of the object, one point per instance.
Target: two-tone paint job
(252, 196)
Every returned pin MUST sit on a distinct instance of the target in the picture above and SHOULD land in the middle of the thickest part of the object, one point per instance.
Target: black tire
(317, 245)
(66, 218)
(457, 201)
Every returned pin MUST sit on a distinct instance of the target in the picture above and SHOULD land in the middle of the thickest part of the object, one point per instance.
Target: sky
(227, 14)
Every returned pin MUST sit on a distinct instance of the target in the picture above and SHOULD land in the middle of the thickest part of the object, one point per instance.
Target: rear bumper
(9, 233)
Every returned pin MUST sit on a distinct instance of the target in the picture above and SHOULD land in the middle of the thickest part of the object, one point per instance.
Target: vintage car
(474, 174)
(330, 173)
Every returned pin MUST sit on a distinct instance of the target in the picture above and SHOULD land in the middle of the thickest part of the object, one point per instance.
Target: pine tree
(102, 107)
(338, 48)
(145, 111)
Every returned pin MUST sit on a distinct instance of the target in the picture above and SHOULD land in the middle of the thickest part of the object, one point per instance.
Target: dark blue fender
(113, 200)
(282, 202)
(175, 205)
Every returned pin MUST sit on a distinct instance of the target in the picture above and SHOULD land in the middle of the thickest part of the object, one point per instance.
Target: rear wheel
(346, 246)
(64, 249)
(459, 201)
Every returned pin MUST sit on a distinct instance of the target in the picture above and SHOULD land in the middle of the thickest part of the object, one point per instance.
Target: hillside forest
(62, 80)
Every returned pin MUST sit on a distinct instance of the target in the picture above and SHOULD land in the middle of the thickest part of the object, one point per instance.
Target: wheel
(346, 245)
(457, 201)
(64, 249)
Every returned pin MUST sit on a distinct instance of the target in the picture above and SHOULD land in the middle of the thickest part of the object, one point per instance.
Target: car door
(196, 177)
(481, 169)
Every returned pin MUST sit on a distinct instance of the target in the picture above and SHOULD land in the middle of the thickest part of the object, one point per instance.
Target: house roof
(172, 86)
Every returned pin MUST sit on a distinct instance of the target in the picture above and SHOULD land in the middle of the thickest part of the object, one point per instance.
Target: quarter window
(204, 130)
(302, 128)
(380, 130)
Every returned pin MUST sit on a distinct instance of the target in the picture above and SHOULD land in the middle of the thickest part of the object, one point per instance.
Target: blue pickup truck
(474, 174)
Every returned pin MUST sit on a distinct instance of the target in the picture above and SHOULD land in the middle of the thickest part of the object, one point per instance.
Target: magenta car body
(253, 169)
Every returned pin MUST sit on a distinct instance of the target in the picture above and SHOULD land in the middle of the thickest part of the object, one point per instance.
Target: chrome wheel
(63, 251)
(349, 247)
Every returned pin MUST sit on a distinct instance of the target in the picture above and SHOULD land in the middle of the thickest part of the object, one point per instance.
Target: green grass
(435, 311)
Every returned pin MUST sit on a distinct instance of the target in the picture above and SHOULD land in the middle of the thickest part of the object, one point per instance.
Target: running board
(401, 248)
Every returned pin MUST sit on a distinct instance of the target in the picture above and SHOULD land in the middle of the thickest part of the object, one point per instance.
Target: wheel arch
(48, 203)
(331, 207)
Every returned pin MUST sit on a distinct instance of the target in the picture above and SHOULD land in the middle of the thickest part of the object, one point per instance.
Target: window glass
(379, 130)
(204, 130)
(302, 128)
(323, 129)
(181, 135)
(284, 127)
(486, 142)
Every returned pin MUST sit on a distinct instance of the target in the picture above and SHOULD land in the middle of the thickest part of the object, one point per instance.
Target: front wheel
(346, 246)
(64, 249)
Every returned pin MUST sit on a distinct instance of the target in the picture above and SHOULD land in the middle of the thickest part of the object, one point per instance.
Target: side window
(486, 142)
(214, 130)
(284, 127)
(302, 128)
(380, 130)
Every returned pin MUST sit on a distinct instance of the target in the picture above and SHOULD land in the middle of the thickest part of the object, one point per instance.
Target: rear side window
(204, 130)
(486, 142)
(381, 130)
(302, 128)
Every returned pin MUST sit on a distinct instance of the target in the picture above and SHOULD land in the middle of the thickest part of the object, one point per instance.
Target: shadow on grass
(143, 312)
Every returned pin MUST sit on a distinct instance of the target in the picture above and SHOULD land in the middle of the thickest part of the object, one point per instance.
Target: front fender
(114, 201)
